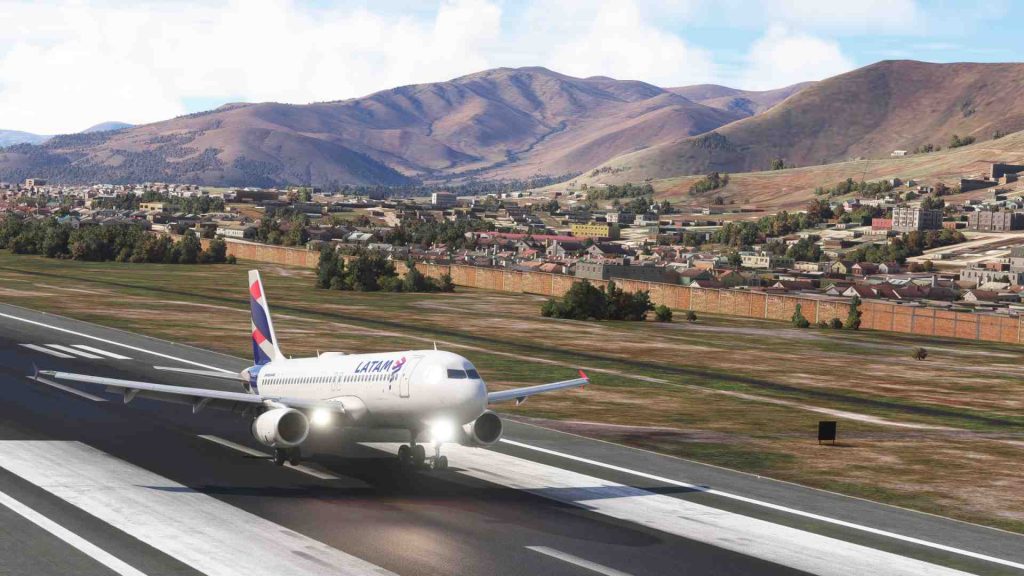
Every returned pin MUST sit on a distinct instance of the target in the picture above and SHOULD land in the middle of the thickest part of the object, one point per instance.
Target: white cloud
(71, 64)
(616, 41)
(781, 57)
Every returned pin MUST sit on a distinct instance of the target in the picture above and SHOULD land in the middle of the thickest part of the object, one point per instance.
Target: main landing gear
(415, 456)
(292, 456)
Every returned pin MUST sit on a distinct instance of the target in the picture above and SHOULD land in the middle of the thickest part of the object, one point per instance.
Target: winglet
(585, 377)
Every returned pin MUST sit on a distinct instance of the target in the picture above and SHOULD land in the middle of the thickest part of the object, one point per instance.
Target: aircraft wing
(198, 398)
(520, 394)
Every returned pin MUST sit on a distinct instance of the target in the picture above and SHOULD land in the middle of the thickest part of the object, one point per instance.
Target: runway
(89, 485)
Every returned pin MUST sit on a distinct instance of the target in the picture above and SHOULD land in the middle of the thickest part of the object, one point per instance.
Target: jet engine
(281, 428)
(483, 431)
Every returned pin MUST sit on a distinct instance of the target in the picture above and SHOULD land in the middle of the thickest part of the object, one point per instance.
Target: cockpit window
(473, 374)
(460, 374)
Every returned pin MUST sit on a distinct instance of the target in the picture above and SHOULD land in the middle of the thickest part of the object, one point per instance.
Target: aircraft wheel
(404, 455)
(419, 455)
(441, 463)
(280, 457)
(295, 456)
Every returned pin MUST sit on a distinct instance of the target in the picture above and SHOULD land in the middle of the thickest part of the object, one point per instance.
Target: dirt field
(944, 435)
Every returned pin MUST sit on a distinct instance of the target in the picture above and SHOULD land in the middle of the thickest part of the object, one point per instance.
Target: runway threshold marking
(46, 350)
(70, 538)
(199, 530)
(111, 342)
(581, 562)
(101, 352)
(259, 454)
(71, 350)
(778, 507)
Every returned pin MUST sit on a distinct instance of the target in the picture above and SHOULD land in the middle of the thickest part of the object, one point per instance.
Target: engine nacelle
(281, 428)
(483, 431)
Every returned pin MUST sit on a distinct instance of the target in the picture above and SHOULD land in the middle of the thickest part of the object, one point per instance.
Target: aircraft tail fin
(264, 341)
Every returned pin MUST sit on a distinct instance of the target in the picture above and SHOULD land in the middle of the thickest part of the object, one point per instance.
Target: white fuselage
(409, 390)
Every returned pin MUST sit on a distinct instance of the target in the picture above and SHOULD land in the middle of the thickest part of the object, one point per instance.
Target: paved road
(89, 485)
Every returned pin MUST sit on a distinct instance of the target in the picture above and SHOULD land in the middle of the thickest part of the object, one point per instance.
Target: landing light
(320, 417)
(442, 431)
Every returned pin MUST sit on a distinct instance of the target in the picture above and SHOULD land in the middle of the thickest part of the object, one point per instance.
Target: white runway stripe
(45, 350)
(71, 350)
(773, 506)
(581, 562)
(112, 342)
(746, 535)
(69, 537)
(101, 352)
(256, 453)
(207, 534)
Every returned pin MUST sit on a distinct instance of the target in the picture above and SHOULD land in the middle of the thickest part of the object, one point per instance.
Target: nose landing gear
(415, 456)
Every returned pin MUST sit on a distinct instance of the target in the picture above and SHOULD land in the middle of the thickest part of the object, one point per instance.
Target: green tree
(663, 313)
(190, 248)
(778, 164)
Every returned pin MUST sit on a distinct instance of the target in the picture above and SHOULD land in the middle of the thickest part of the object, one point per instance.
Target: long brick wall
(875, 315)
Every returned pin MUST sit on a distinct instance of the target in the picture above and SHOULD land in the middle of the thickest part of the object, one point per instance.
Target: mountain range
(520, 123)
(12, 137)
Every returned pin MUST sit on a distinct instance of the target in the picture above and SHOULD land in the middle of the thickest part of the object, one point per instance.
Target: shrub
(836, 323)
(798, 318)
(691, 316)
(584, 301)
(920, 353)
(822, 324)
(663, 313)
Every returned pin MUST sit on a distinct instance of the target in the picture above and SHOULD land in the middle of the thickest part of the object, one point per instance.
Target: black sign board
(827, 431)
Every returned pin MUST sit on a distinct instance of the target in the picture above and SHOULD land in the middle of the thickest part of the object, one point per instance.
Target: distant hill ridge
(501, 123)
(867, 113)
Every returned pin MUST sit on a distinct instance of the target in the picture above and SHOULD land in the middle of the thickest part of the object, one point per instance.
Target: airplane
(428, 396)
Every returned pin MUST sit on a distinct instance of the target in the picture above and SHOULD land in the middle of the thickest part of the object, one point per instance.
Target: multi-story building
(443, 200)
(596, 230)
(1002, 221)
(907, 219)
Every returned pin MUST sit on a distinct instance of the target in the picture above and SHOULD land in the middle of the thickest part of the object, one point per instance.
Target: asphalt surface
(404, 522)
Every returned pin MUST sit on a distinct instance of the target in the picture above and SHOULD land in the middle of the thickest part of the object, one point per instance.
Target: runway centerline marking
(112, 342)
(99, 351)
(46, 350)
(70, 538)
(581, 562)
(778, 507)
(70, 350)
(259, 454)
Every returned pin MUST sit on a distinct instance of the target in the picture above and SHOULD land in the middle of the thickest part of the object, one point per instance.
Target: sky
(68, 64)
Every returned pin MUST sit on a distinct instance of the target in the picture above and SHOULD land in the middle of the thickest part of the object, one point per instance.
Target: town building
(764, 260)
(985, 221)
(443, 200)
(600, 270)
(908, 219)
(596, 230)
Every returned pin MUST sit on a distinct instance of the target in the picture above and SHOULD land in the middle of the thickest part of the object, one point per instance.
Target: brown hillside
(774, 190)
(508, 123)
(746, 102)
(865, 113)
